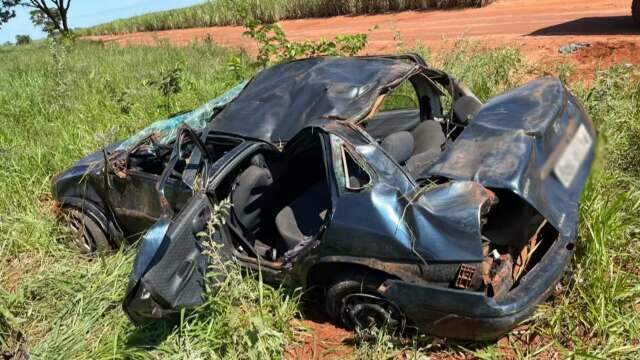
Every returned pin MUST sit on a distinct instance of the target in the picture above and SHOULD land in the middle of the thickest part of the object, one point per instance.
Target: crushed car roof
(283, 99)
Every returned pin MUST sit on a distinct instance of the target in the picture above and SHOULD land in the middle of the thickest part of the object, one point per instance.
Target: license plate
(573, 156)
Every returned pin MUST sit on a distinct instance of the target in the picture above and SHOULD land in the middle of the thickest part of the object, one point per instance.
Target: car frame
(464, 242)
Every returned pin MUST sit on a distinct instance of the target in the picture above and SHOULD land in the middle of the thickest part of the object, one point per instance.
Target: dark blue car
(381, 181)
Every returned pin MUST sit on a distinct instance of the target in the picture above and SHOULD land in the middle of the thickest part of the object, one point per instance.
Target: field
(234, 12)
(59, 101)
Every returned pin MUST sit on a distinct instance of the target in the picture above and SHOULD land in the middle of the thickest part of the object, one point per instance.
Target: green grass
(58, 102)
(225, 12)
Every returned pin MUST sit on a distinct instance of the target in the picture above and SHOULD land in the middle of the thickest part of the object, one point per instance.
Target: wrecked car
(381, 181)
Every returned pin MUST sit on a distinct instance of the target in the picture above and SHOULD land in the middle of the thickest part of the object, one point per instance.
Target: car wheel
(635, 11)
(354, 302)
(86, 234)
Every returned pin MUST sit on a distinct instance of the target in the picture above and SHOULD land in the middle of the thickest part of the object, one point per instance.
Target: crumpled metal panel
(395, 219)
(283, 99)
(515, 142)
(444, 222)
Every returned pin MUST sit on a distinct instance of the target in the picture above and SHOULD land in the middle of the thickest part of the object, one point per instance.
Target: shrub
(23, 39)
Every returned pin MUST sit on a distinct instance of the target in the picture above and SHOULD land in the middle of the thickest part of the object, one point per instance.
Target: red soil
(323, 340)
(538, 27)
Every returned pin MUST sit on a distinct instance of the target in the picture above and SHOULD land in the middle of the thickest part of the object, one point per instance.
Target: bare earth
(537, 27)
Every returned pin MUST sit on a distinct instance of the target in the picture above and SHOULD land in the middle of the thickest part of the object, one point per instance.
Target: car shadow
(148, 337)
(606, 25)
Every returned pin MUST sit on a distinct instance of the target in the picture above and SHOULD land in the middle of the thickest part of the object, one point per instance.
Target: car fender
(404, 271)
(96, 213)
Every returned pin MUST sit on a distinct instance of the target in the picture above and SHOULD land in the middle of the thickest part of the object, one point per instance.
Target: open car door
(170, 267)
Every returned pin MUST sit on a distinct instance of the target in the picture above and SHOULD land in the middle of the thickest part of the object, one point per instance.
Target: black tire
(635, 11)
(87, 235)
(353, 301)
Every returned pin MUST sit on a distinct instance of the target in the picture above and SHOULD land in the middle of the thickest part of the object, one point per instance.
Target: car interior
(412, 140)
(151, 157)
(280, 201)
(410, 126)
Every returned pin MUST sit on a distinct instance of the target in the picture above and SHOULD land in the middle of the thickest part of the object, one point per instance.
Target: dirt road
(539, 27)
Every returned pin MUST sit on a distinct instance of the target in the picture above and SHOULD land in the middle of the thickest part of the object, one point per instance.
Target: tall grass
(225, 12)
(59, 102)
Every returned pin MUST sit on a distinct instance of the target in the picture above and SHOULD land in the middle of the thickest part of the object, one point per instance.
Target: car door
(368, 206)
(135, 199)
(171, 266)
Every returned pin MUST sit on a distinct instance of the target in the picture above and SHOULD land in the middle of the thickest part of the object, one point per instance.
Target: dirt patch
(609, 53)
(584, 63)
(528, 342)
(16, 269)
(317, 337)
(603, 55)
(321, 340)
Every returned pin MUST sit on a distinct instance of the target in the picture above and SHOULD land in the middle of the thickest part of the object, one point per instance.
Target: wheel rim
(365, 311)
(79, 234)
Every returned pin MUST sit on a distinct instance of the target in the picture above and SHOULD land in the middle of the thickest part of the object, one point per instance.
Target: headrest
(258, 160)
(399, 145)
(466, 108)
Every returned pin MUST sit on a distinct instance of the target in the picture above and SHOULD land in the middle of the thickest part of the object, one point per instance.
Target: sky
(83, 13)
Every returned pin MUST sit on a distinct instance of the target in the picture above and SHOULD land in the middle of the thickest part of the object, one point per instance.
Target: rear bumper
(473, 316)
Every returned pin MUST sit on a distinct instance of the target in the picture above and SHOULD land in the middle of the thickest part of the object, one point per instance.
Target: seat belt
(242, 233)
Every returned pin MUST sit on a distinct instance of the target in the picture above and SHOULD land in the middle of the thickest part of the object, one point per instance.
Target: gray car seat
(428, 138)
(302, 218)
(388, 122)
(418, 149)
(252, 195)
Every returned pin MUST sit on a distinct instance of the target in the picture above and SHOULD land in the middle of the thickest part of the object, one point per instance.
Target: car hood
(282, 100)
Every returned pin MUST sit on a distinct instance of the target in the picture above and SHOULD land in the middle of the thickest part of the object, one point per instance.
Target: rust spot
(502, 280)
(119, 167)
(497, 275)
(55, 208)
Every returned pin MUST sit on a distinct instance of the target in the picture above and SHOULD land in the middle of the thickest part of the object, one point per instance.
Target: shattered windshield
(166, 130)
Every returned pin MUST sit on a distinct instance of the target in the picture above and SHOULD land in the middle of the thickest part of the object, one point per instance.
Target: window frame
(339, 151)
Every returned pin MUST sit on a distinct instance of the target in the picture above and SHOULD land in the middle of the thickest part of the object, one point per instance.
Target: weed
(274, 46)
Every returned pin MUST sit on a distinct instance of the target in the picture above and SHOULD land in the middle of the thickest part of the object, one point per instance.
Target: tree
(40, 19)
(56, 12)
(6, 10)
(23, 39)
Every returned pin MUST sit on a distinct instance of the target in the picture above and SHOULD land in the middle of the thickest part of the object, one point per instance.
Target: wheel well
(323, 274)
(107, 225)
